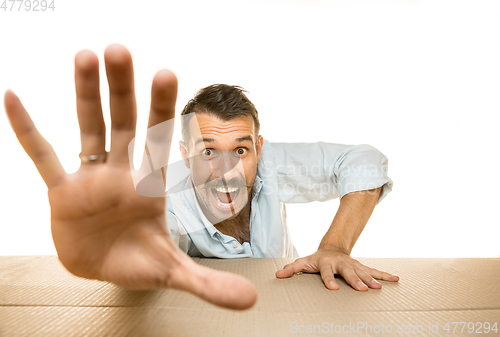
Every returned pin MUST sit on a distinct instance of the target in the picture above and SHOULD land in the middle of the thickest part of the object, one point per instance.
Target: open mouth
(225, 197)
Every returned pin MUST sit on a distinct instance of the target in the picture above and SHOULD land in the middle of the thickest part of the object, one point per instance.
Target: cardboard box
(38, 297)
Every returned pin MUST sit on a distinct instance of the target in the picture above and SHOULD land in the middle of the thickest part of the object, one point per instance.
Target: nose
(227, 165)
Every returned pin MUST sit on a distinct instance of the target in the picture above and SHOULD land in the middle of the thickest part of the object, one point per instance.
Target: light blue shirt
(286, 173)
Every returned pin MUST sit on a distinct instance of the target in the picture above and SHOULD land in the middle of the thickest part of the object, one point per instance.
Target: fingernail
(361, 284)
(375, 281)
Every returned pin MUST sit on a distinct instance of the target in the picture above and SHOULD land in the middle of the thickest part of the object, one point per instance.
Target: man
(232, 203)
(103, 229)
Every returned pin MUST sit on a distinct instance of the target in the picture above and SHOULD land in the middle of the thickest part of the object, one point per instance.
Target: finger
(221, 288)
(163, 97)
(352, 278)
(381, 275)
(224, 289)
(88, 103)
(290, 269)
(367, 278)
(120, 73)
(159, 135)
(328, 277)
(34, 144)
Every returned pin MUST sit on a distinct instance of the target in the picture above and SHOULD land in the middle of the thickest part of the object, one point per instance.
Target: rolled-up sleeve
(360, 168)
(323, 171)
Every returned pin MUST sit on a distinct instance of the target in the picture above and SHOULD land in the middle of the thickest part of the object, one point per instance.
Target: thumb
(292, 268)
(221, 288)
(227, 290)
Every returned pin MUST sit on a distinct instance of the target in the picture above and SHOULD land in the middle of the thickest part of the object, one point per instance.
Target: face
(222, 157)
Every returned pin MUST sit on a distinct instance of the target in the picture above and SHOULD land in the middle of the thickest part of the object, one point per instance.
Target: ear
(260, 143)
(184, 153)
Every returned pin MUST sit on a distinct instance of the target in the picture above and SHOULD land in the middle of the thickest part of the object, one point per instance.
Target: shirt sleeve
(322, 171)
(178, 233)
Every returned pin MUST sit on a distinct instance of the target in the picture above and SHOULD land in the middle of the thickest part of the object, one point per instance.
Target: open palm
(102, 228)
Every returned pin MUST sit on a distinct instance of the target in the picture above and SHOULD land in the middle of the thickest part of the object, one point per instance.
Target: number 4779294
(27, 5)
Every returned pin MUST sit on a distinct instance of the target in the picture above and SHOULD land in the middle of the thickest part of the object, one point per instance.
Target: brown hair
(222, 101)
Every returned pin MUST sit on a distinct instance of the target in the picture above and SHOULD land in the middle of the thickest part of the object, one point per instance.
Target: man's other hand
(101, 227)
(329, 262)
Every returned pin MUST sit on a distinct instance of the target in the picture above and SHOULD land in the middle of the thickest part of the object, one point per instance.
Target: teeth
(226, 190)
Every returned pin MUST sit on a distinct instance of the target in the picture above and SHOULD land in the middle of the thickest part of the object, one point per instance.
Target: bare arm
(333, 255)
(352, 215)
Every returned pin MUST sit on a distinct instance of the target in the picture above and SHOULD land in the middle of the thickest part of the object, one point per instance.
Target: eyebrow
(211, 140)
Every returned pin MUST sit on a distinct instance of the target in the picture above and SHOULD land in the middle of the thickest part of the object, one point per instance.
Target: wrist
(334, 247)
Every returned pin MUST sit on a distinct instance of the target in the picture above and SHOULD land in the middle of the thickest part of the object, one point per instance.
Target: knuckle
(324, 259)
(342, 266)
(357, 263)
(40, 156)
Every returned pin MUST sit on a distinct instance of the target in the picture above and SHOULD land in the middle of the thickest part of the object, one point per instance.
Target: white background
(419, 80)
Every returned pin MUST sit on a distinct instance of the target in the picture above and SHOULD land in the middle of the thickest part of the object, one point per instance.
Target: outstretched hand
(101, 227)
(329, 262)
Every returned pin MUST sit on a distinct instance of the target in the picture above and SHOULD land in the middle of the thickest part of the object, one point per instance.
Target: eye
(241, 151)
(207, 152)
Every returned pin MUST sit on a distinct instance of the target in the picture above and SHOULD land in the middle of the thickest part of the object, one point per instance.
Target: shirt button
(235, 244)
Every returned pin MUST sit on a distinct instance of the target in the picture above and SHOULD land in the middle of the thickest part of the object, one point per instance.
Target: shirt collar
(257, 186)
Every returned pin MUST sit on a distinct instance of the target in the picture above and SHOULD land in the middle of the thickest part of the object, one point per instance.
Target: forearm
(354, 211)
